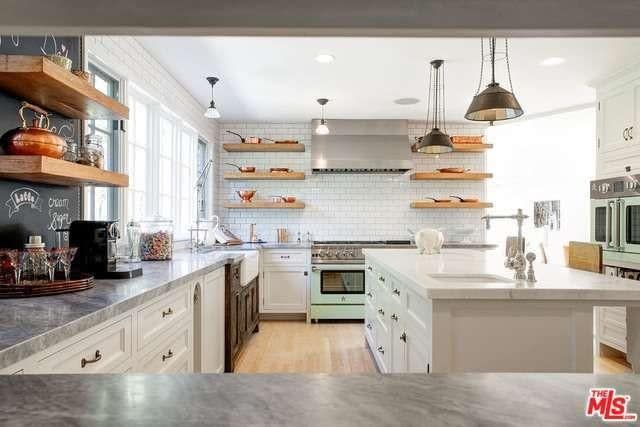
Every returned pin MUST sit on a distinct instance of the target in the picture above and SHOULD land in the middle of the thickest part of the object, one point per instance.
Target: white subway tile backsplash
(351, 206)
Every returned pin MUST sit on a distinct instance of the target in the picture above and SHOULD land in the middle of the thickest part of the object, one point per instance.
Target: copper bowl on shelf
(243, 169)
(279, 170)
(287, 199)
(34, 140)
(246, 195)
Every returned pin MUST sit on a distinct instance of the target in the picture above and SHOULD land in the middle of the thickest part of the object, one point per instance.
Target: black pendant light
(494, 103)
(436, 141)
(212, 112)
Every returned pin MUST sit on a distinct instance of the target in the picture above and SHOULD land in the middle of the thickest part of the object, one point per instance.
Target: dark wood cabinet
(242, 314)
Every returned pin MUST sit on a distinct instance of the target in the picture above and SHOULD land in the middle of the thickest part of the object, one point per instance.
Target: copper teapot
(34, 140)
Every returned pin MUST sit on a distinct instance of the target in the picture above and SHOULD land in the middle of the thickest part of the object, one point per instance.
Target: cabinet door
(416, 353)
(236, 323)
(284, 290)
(616, 116)
(212, 323)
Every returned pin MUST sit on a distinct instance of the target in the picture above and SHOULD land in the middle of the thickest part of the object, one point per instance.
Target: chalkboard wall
(29, 208)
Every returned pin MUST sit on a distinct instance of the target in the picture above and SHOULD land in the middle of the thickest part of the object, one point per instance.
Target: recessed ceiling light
(406, 101)
(551, 61)
(325, 58)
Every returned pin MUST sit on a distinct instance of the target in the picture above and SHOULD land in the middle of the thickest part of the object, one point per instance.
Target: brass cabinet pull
(96, 358)
(381, 349)
(394, 317)
(167, 313)
(169, 355)
(625, 134)
(403, 337)
(396, 291)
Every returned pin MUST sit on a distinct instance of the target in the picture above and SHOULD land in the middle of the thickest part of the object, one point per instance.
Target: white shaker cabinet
(284, 287)
(209, 313)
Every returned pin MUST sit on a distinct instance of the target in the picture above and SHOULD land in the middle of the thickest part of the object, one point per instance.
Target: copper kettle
(34, 140)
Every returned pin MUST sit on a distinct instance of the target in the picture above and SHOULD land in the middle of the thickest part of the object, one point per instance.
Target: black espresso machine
(97, 249)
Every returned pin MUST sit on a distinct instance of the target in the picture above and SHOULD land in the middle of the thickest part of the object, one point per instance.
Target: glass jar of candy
(156, 239)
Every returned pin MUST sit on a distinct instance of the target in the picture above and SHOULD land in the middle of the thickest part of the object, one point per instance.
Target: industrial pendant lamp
(322, 128)
(494, 103)
(212, 112)
(436, 141)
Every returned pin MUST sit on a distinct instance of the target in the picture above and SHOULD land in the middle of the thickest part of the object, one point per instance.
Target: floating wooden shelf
(265, 175)
(264, 205)
(264, 148)
(44, 83)
(428, 204)
(468, 176)
(48, 170)
(471, 148)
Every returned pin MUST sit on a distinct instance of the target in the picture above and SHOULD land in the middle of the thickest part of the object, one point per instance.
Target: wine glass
(52, 258)
(66, 257)
(13, 257)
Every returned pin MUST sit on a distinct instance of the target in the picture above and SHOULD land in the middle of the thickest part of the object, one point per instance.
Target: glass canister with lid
(156, 239)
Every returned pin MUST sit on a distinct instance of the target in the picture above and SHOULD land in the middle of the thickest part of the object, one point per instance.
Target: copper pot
(247, 140)
(34, 140)
(466, 199)
(246, 169)
(285, 170)
(286, 199)
(246, 195)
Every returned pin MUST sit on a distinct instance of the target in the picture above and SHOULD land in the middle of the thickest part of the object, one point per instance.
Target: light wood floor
(335, 348)
(300, 347)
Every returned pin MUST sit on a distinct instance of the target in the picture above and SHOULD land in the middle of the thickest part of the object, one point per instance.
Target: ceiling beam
(410, 18)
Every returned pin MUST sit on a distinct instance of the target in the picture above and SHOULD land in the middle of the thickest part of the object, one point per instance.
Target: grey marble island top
(30, 325)
(306, 400)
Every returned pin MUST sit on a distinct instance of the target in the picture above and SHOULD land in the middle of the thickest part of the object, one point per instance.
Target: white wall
(547, 158)
(347, 207)
(125, 57)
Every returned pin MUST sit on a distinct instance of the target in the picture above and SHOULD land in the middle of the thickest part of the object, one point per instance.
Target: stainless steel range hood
(361, 146)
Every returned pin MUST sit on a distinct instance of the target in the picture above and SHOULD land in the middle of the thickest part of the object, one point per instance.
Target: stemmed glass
(53, 256)
(66, 257)
(13, 256)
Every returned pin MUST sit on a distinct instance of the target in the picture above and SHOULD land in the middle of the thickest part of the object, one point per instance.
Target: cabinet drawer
(370, 327)
(613, 336)
(616, 316)
(283, 257)
(170, 356)
(418, 310)
(101, 352)
(161, 315)
(382, 350)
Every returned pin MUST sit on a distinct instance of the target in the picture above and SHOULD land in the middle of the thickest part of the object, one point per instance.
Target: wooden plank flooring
(300, 347)
(335, 348)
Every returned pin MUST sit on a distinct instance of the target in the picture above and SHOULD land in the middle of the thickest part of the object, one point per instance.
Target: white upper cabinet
(616, 119)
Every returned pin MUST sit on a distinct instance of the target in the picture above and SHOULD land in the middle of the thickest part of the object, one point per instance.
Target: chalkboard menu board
(28, 208)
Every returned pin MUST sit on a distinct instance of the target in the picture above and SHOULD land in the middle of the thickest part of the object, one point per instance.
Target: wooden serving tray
(78, 282)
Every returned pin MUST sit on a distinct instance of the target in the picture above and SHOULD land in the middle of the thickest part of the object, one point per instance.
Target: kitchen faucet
(515, 258)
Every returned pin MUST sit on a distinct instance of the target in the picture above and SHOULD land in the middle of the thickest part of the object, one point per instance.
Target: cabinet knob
(169, 355)
(381, 311)
(381, 278)
(169, 312)
(369, 326)
(369, 294)
(369, 268)
(394, 317)
(381, 349)
(403, 337)
(96, 358)
(396, 291)
(625, 134)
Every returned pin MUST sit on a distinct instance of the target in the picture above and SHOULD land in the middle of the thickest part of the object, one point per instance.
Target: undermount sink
(470, 278)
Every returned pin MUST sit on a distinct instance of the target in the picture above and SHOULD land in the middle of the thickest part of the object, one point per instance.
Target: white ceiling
(278, 79)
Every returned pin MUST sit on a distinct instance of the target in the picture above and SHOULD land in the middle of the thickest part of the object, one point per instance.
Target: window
(201, 161)
(102, 202)
(162, 164)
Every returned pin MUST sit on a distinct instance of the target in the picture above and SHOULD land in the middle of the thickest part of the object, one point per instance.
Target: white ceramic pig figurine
(429, 241)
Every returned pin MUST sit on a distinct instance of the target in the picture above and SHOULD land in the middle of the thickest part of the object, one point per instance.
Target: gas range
(348, 251)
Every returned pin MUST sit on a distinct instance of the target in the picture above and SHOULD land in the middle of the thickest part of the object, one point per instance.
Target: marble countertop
(309, 400)
(30, 325)
(427, 274)
(258, 246)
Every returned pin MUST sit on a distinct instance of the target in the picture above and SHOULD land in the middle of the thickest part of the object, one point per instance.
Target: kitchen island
(306, 400)
(460, 311)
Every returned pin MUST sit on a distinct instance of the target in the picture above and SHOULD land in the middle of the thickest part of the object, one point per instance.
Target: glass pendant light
(494, 103)
(212, 112)
(322, 128)
(436, 141)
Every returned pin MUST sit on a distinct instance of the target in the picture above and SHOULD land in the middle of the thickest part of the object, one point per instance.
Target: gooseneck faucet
(515, 258)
